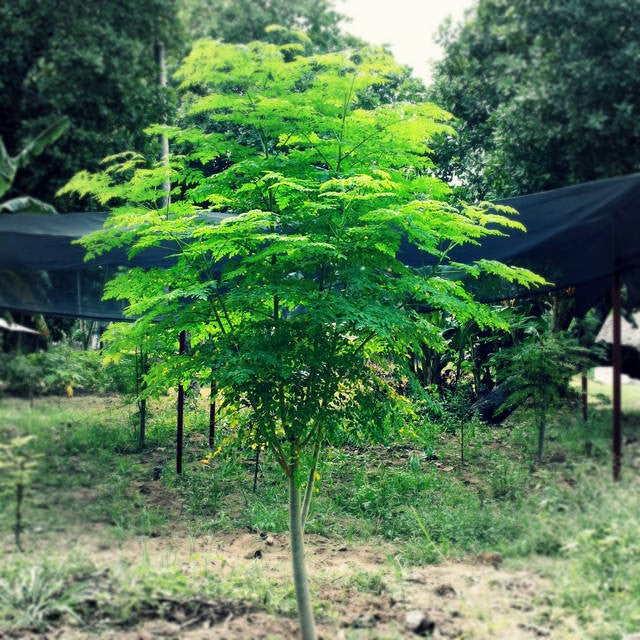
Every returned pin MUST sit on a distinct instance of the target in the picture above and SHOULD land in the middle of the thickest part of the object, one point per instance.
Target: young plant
(459, 416)
(17, 469)
(538, 369)
(295, 290)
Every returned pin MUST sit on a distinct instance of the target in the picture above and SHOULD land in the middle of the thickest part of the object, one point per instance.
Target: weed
(33, 595)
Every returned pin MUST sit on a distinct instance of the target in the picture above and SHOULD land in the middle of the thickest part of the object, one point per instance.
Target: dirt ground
(477, 599)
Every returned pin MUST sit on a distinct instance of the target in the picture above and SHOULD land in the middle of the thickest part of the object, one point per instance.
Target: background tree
(545, 93)
(18, 466)
(537, 369)
(91, 61)
(241, 21)
(296, 297)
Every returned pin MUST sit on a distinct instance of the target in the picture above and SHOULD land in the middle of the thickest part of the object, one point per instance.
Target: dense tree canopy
(546, 92)
(91, 61)
(241, 21)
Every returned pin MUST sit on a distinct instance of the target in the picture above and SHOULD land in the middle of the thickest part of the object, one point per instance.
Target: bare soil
(365, 592)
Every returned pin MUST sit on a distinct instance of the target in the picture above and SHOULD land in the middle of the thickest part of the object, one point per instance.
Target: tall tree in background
(546, 91)
(91, 61)
(241, 21)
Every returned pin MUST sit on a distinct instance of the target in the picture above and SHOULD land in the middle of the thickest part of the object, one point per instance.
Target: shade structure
(578, 236)
(585, 236)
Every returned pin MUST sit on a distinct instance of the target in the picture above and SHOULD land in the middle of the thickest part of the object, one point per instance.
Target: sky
(409, 27)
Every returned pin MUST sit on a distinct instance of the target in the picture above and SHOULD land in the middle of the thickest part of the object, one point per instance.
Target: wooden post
(617, 370)
(179, 433)
(212, 414)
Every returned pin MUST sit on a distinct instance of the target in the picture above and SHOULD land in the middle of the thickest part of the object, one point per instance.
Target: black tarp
(576, 237)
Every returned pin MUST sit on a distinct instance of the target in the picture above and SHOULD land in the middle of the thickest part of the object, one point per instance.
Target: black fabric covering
(576, 237)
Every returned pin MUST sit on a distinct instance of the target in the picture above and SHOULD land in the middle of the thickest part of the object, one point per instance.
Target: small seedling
(17, 470)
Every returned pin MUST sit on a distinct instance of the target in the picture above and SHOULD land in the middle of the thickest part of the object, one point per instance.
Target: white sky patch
(408, 27)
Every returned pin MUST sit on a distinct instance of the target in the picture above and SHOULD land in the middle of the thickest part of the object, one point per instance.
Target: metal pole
(617, 370)
(179, 433)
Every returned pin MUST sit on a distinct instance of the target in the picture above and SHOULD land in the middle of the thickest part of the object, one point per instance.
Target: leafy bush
(538, 369)
(64, 369)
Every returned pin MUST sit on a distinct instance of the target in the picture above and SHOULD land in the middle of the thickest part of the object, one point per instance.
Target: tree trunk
(164, 141)
(303, 598)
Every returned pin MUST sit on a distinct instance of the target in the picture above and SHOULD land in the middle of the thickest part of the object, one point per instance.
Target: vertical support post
(617, 371)
(180, 429)
(212, 414)
(585, 396)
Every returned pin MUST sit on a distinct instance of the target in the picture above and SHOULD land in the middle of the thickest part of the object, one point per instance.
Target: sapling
(538, 370)
(296, 295)
(18, 466)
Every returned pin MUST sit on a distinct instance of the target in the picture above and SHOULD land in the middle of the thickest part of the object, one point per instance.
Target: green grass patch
(418, 497)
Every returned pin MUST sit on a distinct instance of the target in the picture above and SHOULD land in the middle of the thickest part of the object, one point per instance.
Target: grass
(39, 591)
(565, 518)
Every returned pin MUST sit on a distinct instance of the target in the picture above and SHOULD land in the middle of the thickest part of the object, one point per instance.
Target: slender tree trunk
(86, 336)
(585, 397)
(303, 598)
(308, 492)
(458, 370)
(164, 141)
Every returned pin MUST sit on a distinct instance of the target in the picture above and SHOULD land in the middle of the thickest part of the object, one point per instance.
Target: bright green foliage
(17, 471)
(295, 298)
(311, 286)
(544, 91)
(95, 62)
(539, 369)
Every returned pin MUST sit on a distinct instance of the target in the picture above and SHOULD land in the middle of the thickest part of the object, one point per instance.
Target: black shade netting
(577, 237)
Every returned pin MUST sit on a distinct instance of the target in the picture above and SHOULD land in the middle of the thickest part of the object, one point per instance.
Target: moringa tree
(295, 297)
